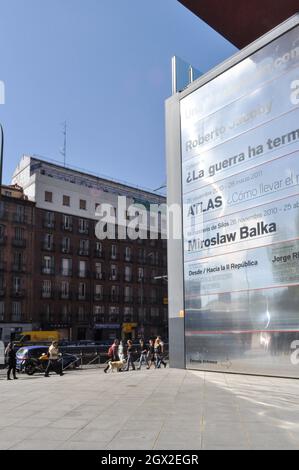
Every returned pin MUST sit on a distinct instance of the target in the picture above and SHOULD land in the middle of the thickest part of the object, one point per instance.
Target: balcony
(18, 268)
(128, 278)
(2, 291)
(83, 274)
(128, 299)
(99, 254)
(67, 272)
(114, 277)
(18, 243)
(99, 276)
(66, 250)
(98, 297)
(67, 227)
(50, 271)
(47, 295)
(83, 297)
(19, 218)
(128, 259)
(3, 240)
(83, 252)
(49, 224)
(3, 266)
(114, 299)
(65, 295)
(3, 215)
(83, 231)
(18, 293)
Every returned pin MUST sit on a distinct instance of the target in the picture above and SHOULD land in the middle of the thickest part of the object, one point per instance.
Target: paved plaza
(165, 409)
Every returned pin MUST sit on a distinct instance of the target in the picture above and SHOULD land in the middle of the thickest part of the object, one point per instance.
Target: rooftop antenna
(63, 149)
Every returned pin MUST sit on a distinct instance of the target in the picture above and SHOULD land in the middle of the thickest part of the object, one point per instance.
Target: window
(128, 294)
(48, 241)
(98, 273)
(66, 245)
(84, 248)
(46, 289)
(66, 267)
(49, 220)
(140, 274)
(65, 290)
(67, 222)
(128, 314)
(82, 268)
(2, 311)
(16, 311)
(82, 291)
(17, 285)
(113, 251)
(114, 293)
(128, 253)
(83, 204)
(99, 290)
(81, 314)
(66, 201)
(48, 265)
(48, 196)
(83, 226)
(113, 272)
(128, 273)
(154, 312)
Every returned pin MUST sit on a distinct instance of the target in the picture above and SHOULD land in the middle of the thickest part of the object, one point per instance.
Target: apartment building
(16, 262)
(83, 286)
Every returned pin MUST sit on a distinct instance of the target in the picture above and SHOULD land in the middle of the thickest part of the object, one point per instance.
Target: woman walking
(143, 354)
(130, 354)
(159, 354)
(151, 354)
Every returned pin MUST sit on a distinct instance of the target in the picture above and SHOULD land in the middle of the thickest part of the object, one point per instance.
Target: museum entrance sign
(239, 157)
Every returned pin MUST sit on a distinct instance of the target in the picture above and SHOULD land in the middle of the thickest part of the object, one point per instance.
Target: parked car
(29, 359)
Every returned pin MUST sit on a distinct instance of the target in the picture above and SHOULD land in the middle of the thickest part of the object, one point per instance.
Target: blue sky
(104, 66)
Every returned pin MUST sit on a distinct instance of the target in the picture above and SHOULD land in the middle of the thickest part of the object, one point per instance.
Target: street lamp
(1, 153)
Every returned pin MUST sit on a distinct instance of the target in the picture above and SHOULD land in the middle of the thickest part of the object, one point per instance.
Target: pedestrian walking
(54, 364)
(121, 353)
(12, 360)
(159, 354)
(130, 354)
(112, 354)
(151, 354)
(143, 354)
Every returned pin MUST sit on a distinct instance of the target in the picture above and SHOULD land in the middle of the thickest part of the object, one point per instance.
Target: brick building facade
(68, 279)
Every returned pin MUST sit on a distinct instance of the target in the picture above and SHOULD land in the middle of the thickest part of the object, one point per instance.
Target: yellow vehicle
(29, 337)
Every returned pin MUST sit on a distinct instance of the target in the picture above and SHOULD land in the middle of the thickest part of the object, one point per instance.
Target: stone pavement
(165, 409)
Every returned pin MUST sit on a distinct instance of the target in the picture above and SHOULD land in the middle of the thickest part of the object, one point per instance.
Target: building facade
(16, 262)
(83, 286)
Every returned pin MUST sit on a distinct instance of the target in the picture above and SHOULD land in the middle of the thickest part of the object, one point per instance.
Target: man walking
(12, 361)
(53, 363)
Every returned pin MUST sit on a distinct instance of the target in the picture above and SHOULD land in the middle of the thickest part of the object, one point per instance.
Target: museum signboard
(240, 194)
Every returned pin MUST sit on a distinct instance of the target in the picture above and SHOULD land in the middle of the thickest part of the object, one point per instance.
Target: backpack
(111, 351)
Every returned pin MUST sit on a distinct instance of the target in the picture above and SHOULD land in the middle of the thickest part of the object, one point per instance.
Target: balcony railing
(83, 274)
(3, 240)
(20, 218)
(3, 265)
(18, 293)
(67, 272)
(18, 243)
(2, 292)
(99, 254)
(66, 250)
(47, 247)
(49, 271)
(47, 295)
(83, 231)
(66, 227)
(83, 252)
(83, 297)
(18, 268)
(98, 297)
(65, 295)
(49, 224)
(99, 276)
(3, 215)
